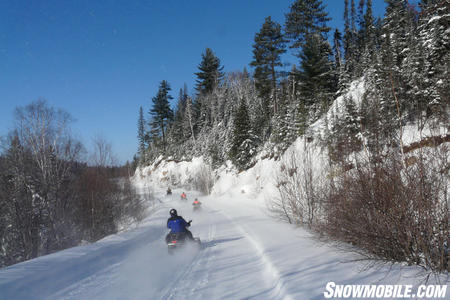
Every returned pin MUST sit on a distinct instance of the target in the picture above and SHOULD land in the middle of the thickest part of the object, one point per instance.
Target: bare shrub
(131, 205)
(393, 212)
(97, 197)
(300, 189)
(102, 154)
(204, 179)
(148, 198)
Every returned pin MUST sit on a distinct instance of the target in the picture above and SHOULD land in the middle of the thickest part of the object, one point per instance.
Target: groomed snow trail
(245, 254)
(136, 265)
(230, 265)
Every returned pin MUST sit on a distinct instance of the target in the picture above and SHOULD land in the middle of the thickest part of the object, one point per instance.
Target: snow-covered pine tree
(161, 113)
(306, 28)
(18, 224)
(338, 65)
(351, 128)
(349, 49)
(267, 50)
(367, 35)
(210, 73)
(189, 121)
(306, 17)
(316, 75)
(242, 145)
(434, 41)
(141, 136)
(176, 129)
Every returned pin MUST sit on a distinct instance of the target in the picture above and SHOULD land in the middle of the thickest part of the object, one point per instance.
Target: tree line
(391, 205)
(402, 58)
(51, 199)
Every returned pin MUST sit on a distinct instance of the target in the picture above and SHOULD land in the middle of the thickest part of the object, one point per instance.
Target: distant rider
(169, 191)
(177, 224)
(183, 196)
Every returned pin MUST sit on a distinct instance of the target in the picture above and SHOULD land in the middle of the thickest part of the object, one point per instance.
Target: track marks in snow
(271, 275)
(100, 281)
(183, 278)
(231, 265)
(190, 281)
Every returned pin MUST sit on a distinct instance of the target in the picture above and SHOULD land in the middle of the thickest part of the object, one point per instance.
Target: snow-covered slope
(245, 254)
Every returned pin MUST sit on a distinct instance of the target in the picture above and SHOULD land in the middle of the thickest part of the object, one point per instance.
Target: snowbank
(165, 173)
(259, 182)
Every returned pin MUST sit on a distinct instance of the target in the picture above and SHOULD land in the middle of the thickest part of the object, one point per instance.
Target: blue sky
(102, 60)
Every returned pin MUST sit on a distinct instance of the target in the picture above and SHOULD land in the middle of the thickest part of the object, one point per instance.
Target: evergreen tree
(245, 73)
(343, 137)
(351, 127)
(306, 18)
(306, 27)
(347, 33)
(367, 41)
(141, 135)
(316, 74)
(210, 73)
(432, 76)
(338, 67)
(391, 78)
(161, 112)
(351, 54)
(268, 47)
(177, 131)
(242, 145)
(337, 39)
(189, 121)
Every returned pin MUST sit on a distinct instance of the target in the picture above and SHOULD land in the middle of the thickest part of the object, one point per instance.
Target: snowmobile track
(270, 271)
(178, 285)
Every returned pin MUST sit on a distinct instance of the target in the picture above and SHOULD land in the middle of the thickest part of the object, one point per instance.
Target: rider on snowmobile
(177, 224)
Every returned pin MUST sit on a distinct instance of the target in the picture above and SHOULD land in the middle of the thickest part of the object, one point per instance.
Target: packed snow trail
(136, 265)
(245, 254)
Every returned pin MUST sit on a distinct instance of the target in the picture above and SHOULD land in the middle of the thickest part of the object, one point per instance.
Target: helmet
(173, 212)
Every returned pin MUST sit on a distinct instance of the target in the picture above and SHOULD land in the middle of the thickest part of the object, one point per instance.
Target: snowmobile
(196, 205)
(178, 240)
(183, 197)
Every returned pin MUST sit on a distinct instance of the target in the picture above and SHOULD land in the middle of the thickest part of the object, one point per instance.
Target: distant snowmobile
(196, 205)
(183, 196)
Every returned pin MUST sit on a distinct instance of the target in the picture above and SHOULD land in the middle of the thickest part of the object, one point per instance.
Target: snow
(167, 173)
(354, 93)
(246, 253)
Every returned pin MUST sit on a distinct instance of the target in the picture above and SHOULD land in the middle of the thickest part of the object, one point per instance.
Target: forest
(393, 206)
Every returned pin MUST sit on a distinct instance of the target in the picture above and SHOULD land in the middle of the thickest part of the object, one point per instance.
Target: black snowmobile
(178, 240)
